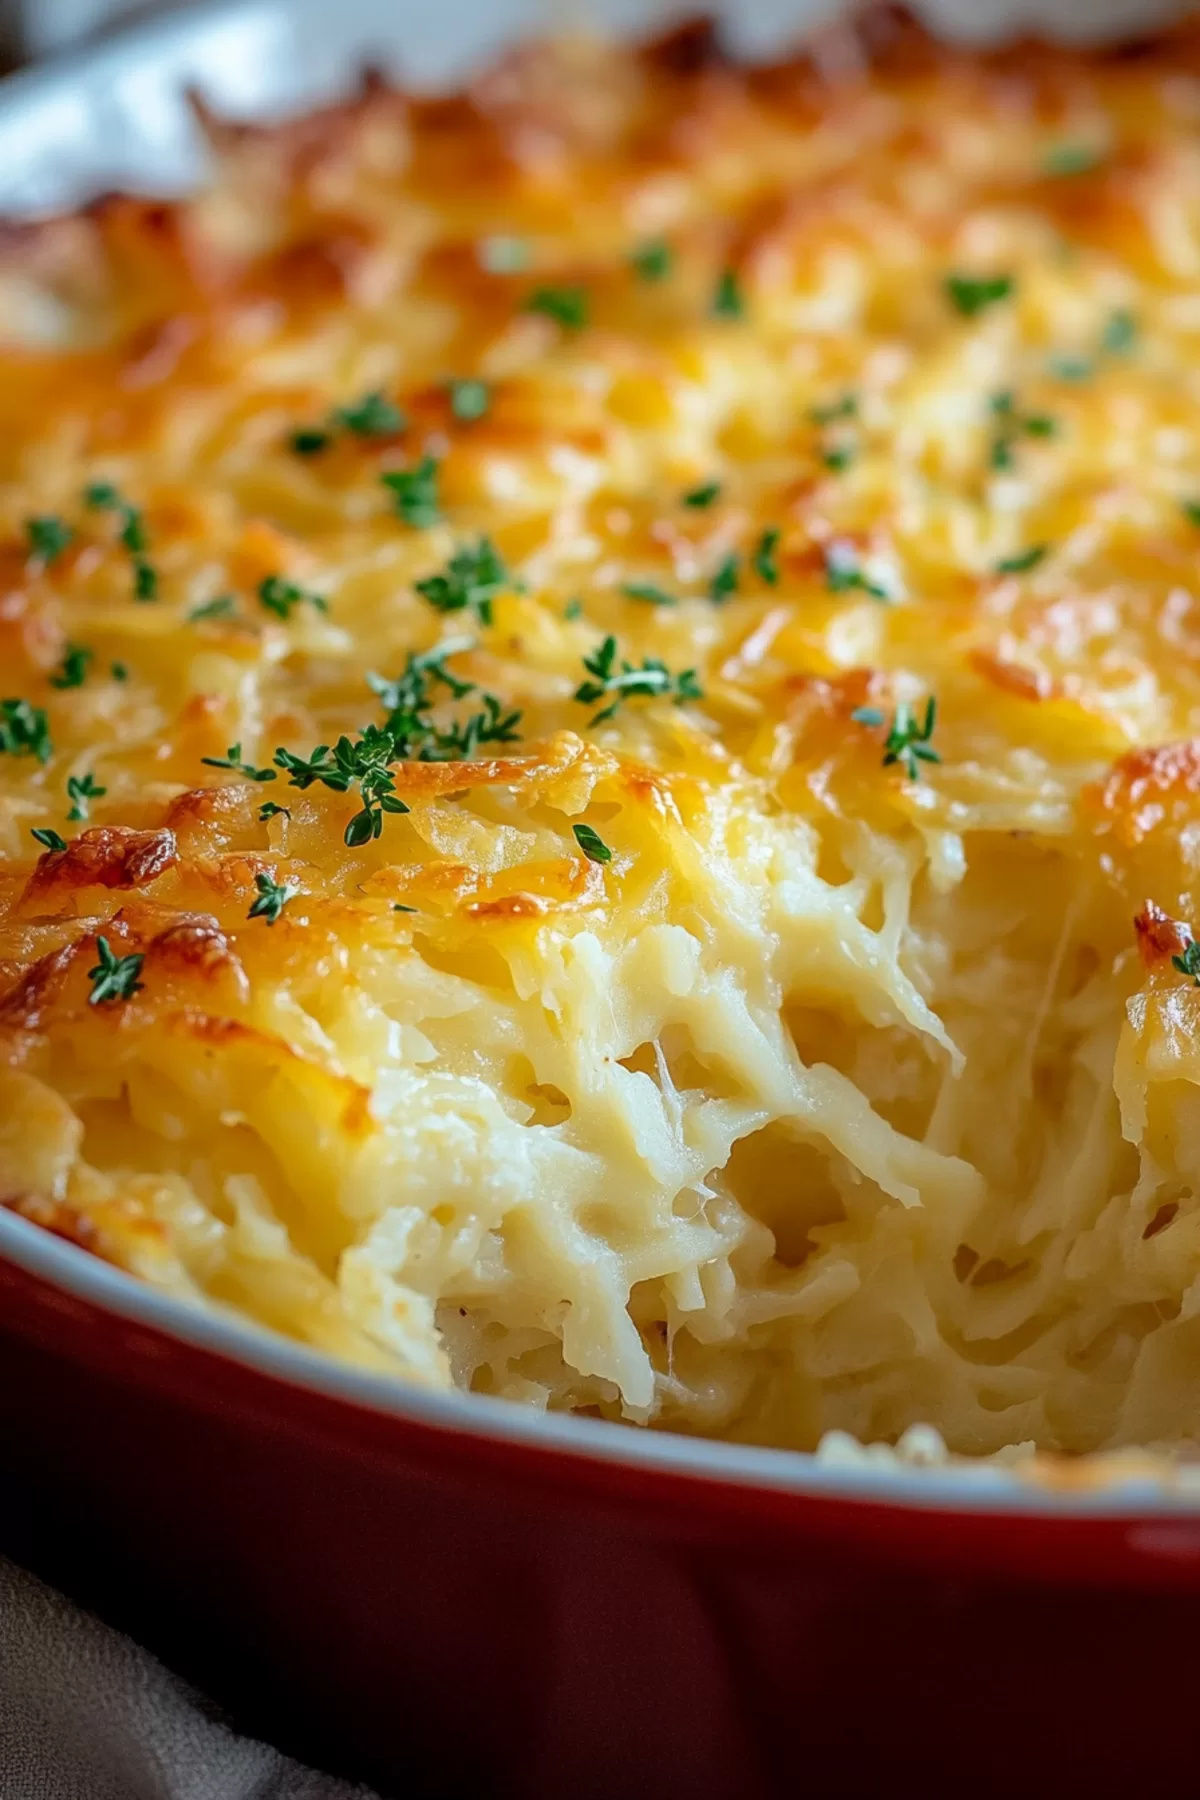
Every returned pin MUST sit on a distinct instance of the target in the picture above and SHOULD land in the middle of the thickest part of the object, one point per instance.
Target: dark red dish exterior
(439, 1612)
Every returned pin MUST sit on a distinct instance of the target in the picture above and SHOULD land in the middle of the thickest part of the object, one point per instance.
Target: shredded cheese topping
(597, 789)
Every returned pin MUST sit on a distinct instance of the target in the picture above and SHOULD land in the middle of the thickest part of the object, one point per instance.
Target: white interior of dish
(114, 117)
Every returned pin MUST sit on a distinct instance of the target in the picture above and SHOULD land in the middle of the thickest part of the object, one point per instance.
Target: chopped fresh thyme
(592, 844)
(310, 440)
(361, 762)
(1023, 561)
(1068, 367)
(114, 977)
(1120, 334)
(72, 670)
(907, 741)
(567, 306)
(409, 700)
(766, 566)
(232, 759)
(224, 606)
(48, 537)
(415, 492)
(573, 609)
(50, 840)
(282, 597)
(271, 809)
(1189, 962)
(974, 294)
(725, 578)
(504, 255)
(472, 579)
(102, 496)
(648, 593)
(844, 573)
(82, 789)
(834, 410)
(273, 896)
(653, 261)
(372, 416)
(119, 671)
(469, 399)
(1072, 159)
(396, 907)
(728, 302)
(1012, 424)
(839, 457)
(704, 495)
(1191, 511)
(616, 680)
(24, 730)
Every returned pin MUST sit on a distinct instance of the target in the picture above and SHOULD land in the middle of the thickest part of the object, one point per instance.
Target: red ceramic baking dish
(449, 1595)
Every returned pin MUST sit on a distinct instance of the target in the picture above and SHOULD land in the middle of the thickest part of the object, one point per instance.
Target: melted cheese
(836, 1100)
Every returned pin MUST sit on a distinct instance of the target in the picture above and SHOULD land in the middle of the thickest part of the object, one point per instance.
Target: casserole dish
(416, 1585)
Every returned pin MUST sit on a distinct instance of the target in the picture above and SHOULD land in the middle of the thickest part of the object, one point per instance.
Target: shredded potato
(745, 1048)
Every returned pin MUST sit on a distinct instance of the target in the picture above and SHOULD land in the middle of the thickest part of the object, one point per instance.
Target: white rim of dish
(963, 1487)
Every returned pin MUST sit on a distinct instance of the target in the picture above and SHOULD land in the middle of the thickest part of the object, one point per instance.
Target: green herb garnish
(1023, 561)
(972, 295)
(704, 495)
(1072, 159)
(72, 670)
(844, 573)
(839, 457)
(271, 809)
(24, 730)
(372, 416)
(653, 261)
(728, 302)
(409, 700)
(469, 399)
(232, 759)
(618, 680)
(415, 492)
(119, 671)
(102, 496)
(361, 762)
(844, 408)
(907, 741)
(81, 790)
(725, 578)
(310, 440)
(567, 306)
(473, 578)
(1191, 511)
(51, 840)
(504, 255)
(1120, 334)
(592, 845)
(1189, 963)
(282, 597)
(273, 896)
(223, 607)
(648, 593)
(573, 609)
(114, 977)
(48, 537)
(765, 565)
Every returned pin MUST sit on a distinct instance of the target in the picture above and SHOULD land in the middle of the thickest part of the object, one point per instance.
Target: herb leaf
(765, 565)
(80, 790)
(50, 839)
(372, 416)
(725, 578)
(1023, 561)
(653, 261)
(469, 399)
(102, 496)
(114, 977)
(907, 742)
(273, 896)
(224, 606)
(1120, 334)
(648, 593)
(616, 680)
(72, 670)
(727, 302)
(282, 597)
(703, 495)
(310, 440)
(415, 492)
(24, 730)
(833, 410)
(592, 844)
(1071, 159)
(1189, 963)
(972, 295)
(48, 537)
(362, 762)
(271, 808)
(844, 573)
(504, 255)
(472, 579)
(568, 306)
(232, 759)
